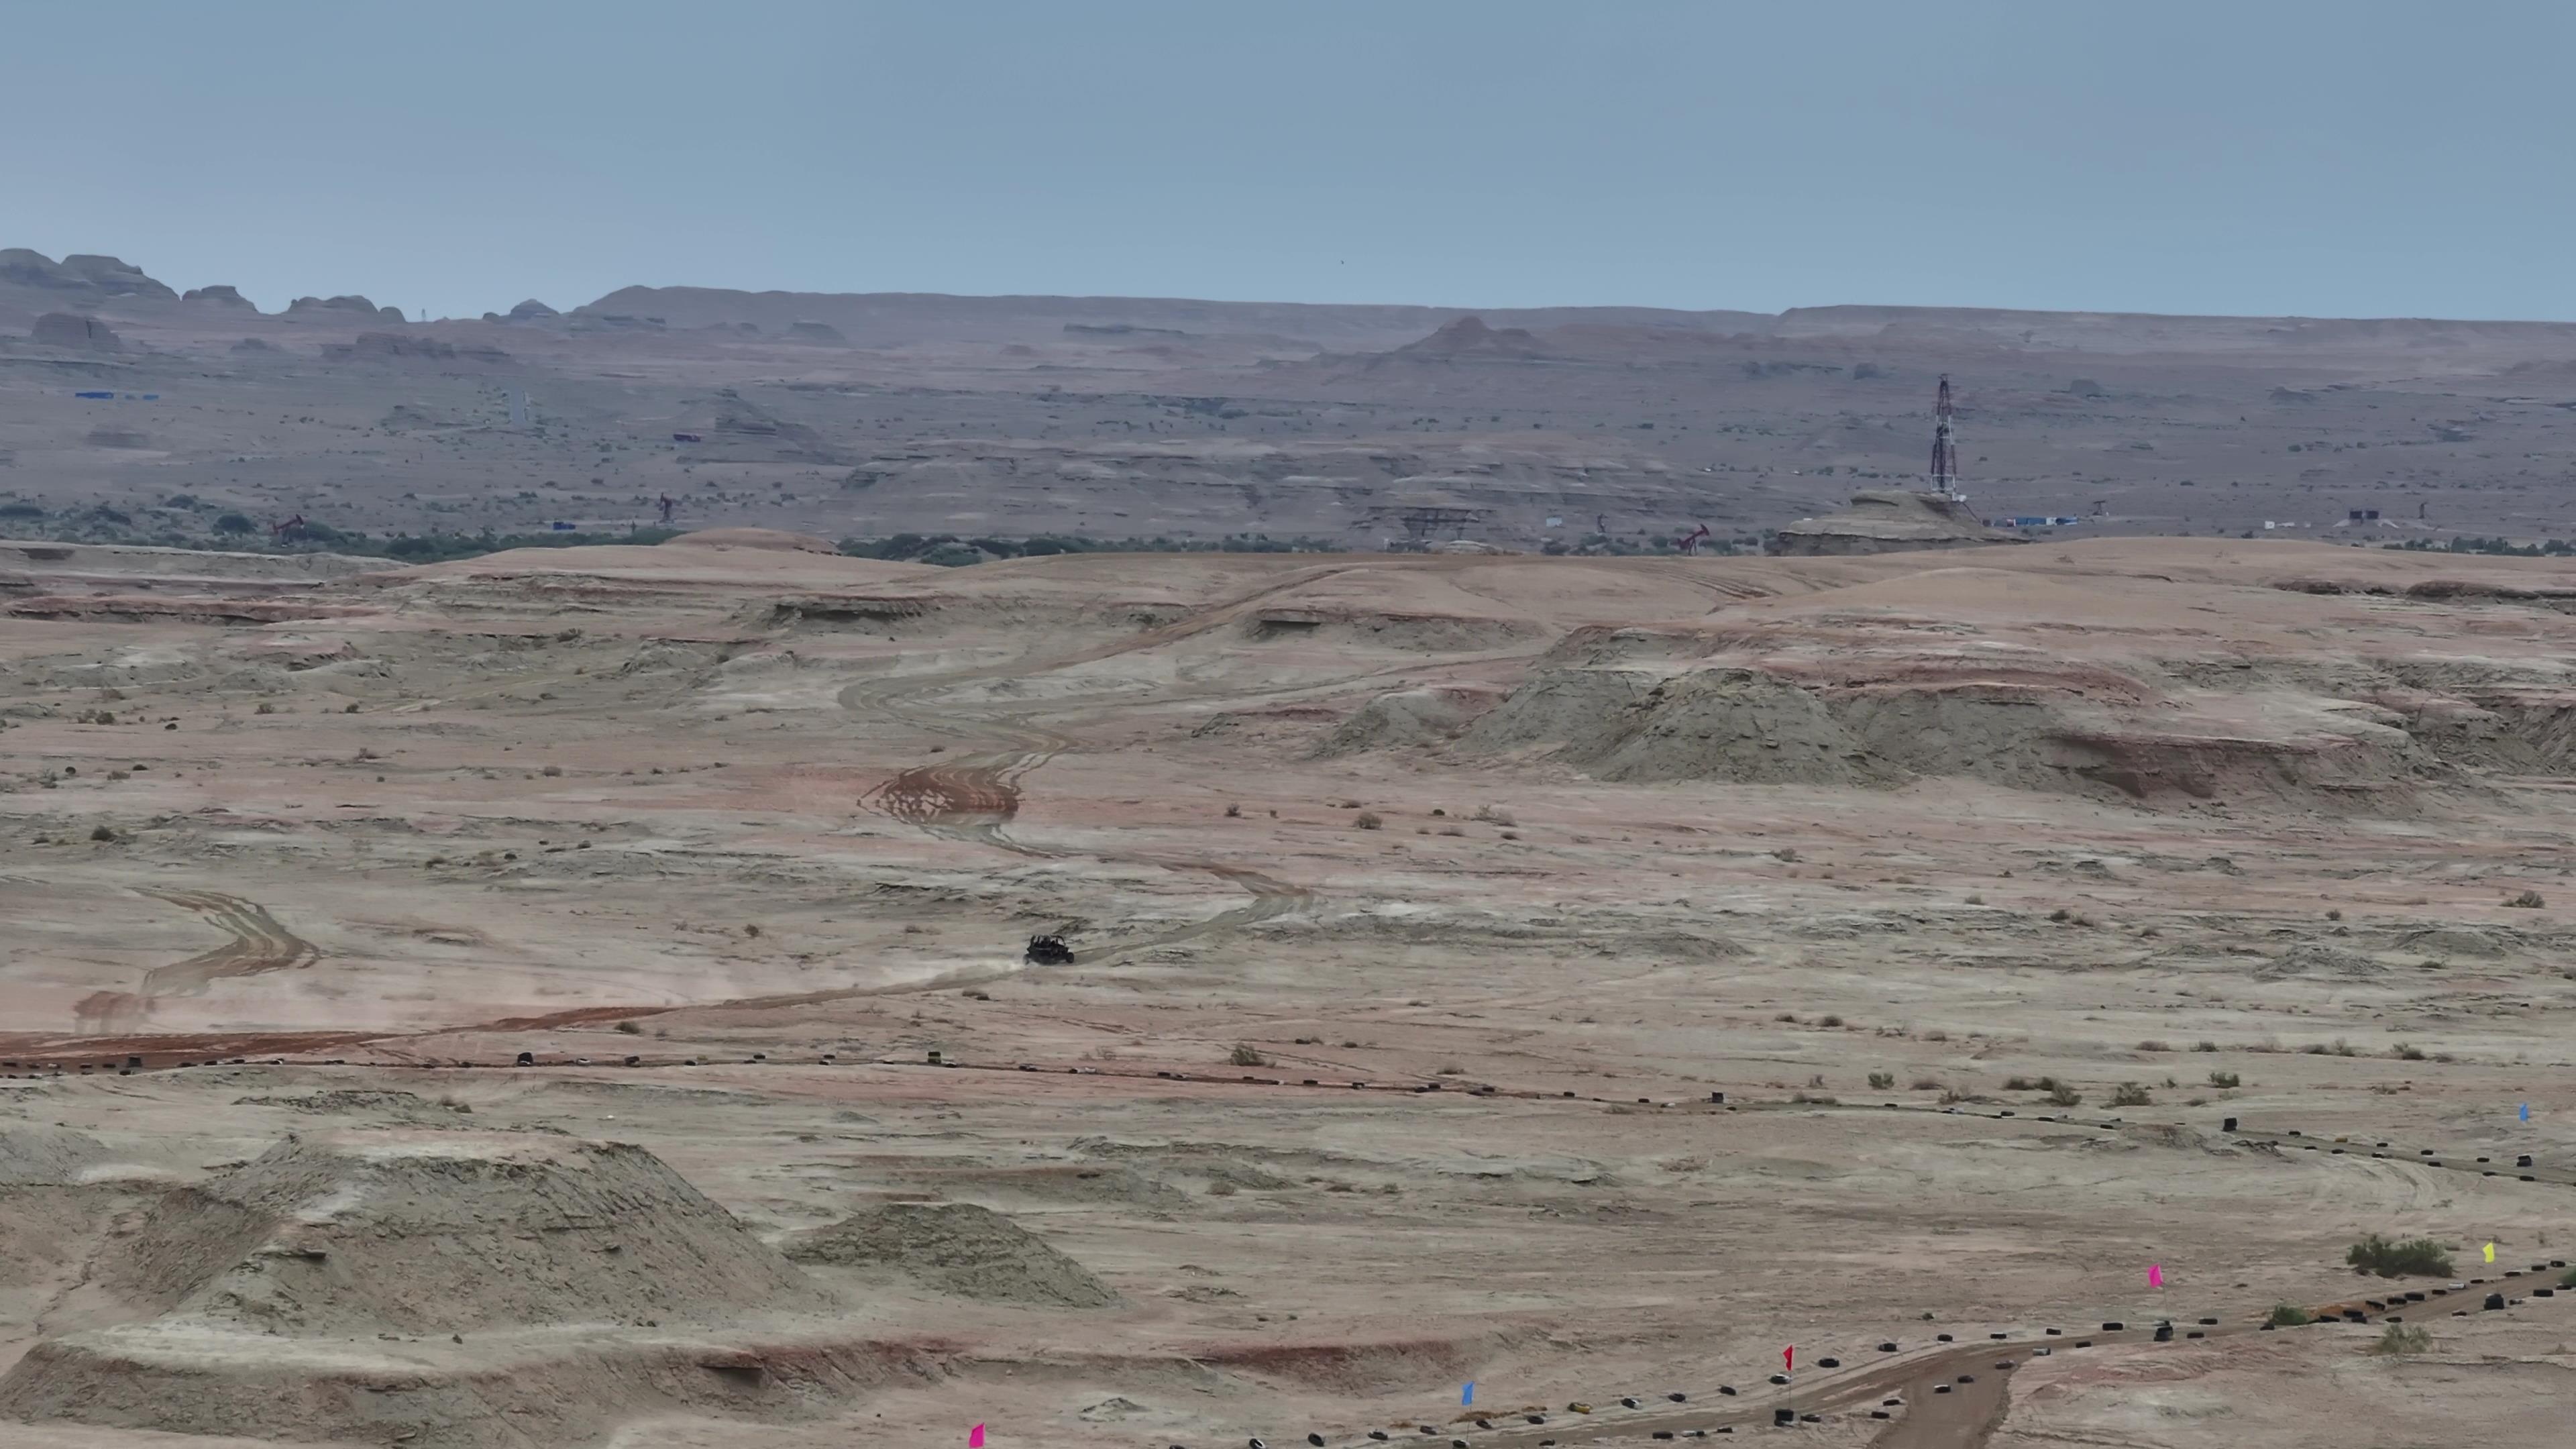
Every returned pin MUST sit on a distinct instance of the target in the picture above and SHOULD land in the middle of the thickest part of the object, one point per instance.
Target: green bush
(2402, 1338)
(2414, 1257)
(2285, 1316)
(2225, 1079)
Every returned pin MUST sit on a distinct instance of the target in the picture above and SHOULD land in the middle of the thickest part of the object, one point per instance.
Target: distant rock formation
(221, 296)
(753, 428)
(1888, 521)
(81, 272)
(64, 329)
(319, 308)
(820, 332)
(1470, 337)
(253, 344)
(404, 347)
(116, 278)
(532, 310)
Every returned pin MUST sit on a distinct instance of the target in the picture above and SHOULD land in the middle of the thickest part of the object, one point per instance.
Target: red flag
(1789, 1357)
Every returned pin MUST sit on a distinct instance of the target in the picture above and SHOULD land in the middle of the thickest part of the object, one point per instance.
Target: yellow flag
(2490, 1252)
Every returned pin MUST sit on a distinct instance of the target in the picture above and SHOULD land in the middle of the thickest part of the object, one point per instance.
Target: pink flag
(975, 1437)
(2155, 1276)
(1789, 1357)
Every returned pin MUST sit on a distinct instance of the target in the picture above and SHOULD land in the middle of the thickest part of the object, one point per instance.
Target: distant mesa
(532, 310)
(585, 321)
(746, 424)
(81, 272)
(325, 308)
(220, 296)
(821, 332)
(1888, 521)
(1470, 337)
(404, 347)
(769, 538)
(1118, 329)
(65, 329)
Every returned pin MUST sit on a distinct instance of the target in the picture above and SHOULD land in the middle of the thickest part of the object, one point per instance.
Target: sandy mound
(1400, 719)
(33, 1156)
(1730, 724)
(751, 538)
(518, 1275)
(448, 1232)
(958, 1248)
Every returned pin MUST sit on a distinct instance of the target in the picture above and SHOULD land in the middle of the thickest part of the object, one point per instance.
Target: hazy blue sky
(2351, 158)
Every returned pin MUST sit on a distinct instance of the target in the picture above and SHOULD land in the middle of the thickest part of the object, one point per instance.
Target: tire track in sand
(259, 945)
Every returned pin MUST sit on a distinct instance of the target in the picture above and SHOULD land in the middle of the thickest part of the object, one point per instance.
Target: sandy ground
(1407, 1043)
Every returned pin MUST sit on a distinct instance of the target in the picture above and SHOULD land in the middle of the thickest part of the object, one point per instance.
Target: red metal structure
(1689, 542)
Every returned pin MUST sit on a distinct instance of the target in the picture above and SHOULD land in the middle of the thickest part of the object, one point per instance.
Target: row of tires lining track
(1531, 1427)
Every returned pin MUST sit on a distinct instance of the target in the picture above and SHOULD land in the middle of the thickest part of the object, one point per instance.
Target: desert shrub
(1221, 1188)
(102, 832)
(232, 523)
(2152, 1045)
(2225, 1079)
(1814, 1099)
(2527, 901)
(1369, 820)
(1246, 1055)
(2130, 1094)
(2204, 1046)
(2285, 1316)
(1926, 1084)
(2020, 1084)
(1829, 1020)
(2412, 1257)
(1450, 1069)
(1234, 812)
(631, 1028)
(2063, 1095)
(2403, 1338)
(1492, 816)
(2407, 1052)
(1881, 1081)
(551, 772)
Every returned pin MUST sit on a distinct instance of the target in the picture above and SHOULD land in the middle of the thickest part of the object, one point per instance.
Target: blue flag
(1467, 1395)
(2526, 1111)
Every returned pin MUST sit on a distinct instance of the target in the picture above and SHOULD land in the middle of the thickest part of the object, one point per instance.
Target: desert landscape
(1985, 996)
(133, 411)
